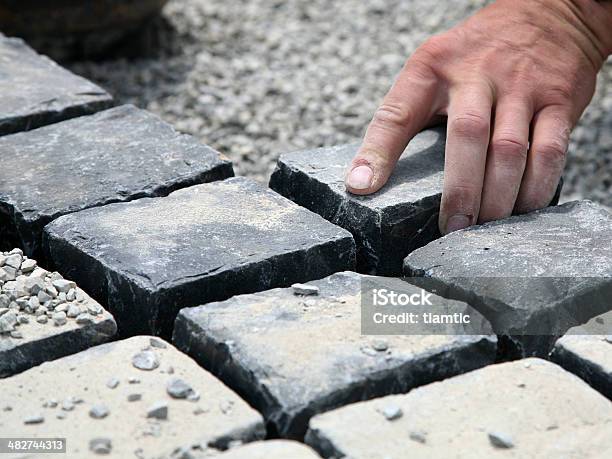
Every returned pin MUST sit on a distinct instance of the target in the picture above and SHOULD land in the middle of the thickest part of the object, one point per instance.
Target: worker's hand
(513, 81)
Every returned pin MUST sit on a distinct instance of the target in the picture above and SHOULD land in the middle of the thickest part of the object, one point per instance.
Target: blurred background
(256, 78)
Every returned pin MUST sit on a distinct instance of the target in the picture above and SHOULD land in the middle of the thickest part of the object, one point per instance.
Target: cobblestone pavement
(256, 78)
(137, 225)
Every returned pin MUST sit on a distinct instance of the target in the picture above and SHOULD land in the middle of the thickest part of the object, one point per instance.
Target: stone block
(115, 155)
(388, 224)
(148, 258)
(586, 351)
(103, 404)
(36, 91)
(533, 276)
(39, 323)
(293, 356)
(271, 449)
(528, 408)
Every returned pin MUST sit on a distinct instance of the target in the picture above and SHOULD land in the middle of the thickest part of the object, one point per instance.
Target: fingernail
(360, 178)
(457, 222)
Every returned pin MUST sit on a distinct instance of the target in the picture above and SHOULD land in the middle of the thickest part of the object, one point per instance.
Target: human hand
(513, 80)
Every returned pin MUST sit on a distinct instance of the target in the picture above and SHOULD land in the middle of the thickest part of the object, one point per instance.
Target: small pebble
(392, 412)
(157, 343)
(34, 419)
(305, 289)
(134, 397)
(99, 411)
(380, 345)
(59, 318)
(100, 445)
(500, 440)
(145, 360)
(112, 383)
(158, 410)
(177, 388)
(419, 437)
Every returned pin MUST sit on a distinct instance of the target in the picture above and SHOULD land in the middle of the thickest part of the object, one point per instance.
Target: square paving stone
(36, 91)
(271, 449)
(530, 408)
(148, 258)
(586, 351)
(388, 224)
(293, 356)
(39, 323)
(116, 155)
(533, 276)
(137, 398)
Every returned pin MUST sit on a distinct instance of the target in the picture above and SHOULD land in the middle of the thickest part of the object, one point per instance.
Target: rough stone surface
(28, 300)
(148, 258)
(534, 276)
(272, 449)
(387, 225)
(36, 91)
(587, 352)
(531, 408)
(116, 155)
(80, 380)
(292, 357)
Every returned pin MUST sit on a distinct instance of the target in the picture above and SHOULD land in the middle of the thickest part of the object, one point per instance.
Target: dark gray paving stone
(292, 356)
(116, 155)
(586, 351)
(64, 391)
(36, 91)
(387, 225)
(148, 258)
(26, 340)
(533, 276)
(528, 408)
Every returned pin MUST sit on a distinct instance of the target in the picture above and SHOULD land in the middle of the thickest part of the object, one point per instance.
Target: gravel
(255, 78)
(28, 291)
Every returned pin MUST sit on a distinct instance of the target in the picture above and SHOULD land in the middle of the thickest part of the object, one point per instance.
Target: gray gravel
(255, 78)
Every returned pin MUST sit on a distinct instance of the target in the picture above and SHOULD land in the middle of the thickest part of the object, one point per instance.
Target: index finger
(406, 109)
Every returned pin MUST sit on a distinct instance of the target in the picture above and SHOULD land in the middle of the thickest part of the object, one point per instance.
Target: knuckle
(470, 125)
(509, 149)
(393, 115)
(435, 49)
(552, 153)
(560, 93)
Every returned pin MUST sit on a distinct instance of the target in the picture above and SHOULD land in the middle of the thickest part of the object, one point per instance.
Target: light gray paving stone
(115, 155)
(36, 91)
(292, 357)
(27, 336)
(148, 258)
(528, 408)
(272, 449)
(387, 225)
(586, 351)
(533, 276)
(80, 380)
